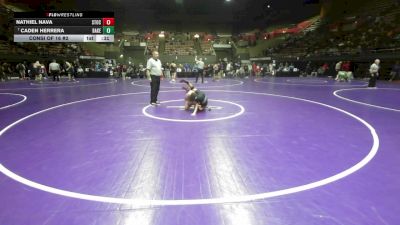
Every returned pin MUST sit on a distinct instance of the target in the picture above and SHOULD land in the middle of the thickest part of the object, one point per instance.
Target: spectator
(21, 70)
(69, 69)
(2, 73)
(338, 67)
(395, 71)
(174, 70)
(36, 71)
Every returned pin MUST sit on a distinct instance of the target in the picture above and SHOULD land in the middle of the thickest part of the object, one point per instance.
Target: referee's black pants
(372, 80)
(155, 88)
(56, 75)
(200, 72)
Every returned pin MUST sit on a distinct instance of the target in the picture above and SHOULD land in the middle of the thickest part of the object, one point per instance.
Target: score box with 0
(103, 22)
(108, 30)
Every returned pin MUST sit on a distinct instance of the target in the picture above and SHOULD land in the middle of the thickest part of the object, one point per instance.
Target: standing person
(36, 71)
(54, 69)
(129, 71)
(76, 65)
(216, 76)
(254, 69)
(79, 71)
(154, 72)
(258, 70)
(338, 67)
(43, 71)
(229, 69)
(346, 66)
(222, 67)
(173, 71)
(395, 71)
(271, 69)
(69, 70)
(21, 70)
(2, 74)
(141, 71)
(325, 67)
(200, 69)
(124, 70)
(7, 71)
(26, 65)
(167, 71)
(374, 71)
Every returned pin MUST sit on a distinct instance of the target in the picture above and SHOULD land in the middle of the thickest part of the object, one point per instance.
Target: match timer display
(64, 27)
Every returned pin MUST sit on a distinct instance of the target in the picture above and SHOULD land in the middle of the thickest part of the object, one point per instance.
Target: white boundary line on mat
(232, 199)
(65, 86)
(336, 93)
(310, 85)
(14, 104)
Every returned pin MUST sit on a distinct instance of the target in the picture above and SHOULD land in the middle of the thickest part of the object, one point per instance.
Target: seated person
(344, 76)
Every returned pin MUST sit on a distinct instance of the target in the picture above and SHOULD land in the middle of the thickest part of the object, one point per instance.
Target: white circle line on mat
(313, 81)
(336, 93)
(67, 86)
(47, 84)
(135, 83)
(242, 110)
(14, 104)
(310, 85)
(232, 199)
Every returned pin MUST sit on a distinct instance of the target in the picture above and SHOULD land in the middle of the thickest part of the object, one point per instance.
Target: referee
(200, 69)
(55, 69)
(374, 71)
(154, 72)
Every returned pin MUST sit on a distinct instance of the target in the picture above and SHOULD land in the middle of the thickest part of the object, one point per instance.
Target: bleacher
(207, 48)
(373, 34)
(374, 6)
(4, 47)
(179, 47)
(152, 45)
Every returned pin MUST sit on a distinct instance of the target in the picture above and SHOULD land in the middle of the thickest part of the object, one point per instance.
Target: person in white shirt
(338, 67)
(200, 69)
(54, 69)
(154, 73)
(374, 71)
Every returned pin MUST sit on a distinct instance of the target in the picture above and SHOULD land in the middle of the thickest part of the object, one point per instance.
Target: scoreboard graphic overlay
(64, 27)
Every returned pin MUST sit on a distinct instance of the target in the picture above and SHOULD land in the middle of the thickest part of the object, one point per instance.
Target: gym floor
(276, 151)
